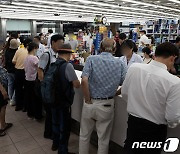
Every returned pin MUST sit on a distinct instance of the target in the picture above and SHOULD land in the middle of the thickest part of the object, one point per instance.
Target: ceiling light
(148, 4)
(83, 7)
(175, 1)
(5, 1)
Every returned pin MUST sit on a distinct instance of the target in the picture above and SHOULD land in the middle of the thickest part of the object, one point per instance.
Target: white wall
(18, 25)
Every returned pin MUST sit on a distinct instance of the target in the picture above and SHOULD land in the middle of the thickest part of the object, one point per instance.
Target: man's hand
(88, 101)
(76, 84)
(40, 74)
(5, 96)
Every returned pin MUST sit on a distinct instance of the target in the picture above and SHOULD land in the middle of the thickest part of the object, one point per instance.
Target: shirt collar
(52, 51)
(106, 53)
(133, 57)
(158, 64)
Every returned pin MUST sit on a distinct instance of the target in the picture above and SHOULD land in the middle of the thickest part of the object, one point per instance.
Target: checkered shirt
(106, 73)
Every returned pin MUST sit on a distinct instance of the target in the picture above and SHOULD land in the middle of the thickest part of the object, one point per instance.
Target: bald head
(108, 45)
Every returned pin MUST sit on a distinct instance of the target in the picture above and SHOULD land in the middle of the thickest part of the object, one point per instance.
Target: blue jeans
(61, 119)
(11, 88)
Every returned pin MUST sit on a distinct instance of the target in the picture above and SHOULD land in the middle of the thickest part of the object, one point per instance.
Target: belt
(103, 98)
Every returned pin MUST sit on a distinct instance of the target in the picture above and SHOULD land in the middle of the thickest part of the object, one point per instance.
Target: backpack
(4, 78)
(48, 85)
(49, 62)
(64, 93)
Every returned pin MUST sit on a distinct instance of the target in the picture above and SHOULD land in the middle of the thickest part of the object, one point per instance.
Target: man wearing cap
(101, 77)
(9, 54)
(66, 81)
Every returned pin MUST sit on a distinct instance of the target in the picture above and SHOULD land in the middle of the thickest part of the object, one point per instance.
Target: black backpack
(55, 88)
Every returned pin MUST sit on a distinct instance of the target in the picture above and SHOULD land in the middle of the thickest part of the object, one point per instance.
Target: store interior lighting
(86, 10)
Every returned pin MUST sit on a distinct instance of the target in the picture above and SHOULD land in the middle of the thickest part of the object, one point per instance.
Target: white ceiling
(70, 10)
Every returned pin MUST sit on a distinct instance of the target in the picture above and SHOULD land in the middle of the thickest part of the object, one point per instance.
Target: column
(3, 31)
(61, 28)
(33, 28)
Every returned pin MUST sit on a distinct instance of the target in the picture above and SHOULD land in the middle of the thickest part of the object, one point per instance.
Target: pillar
(61, 28)
(33, 28)
(3, 31)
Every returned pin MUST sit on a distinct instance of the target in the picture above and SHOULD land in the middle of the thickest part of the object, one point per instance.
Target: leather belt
(103, 98)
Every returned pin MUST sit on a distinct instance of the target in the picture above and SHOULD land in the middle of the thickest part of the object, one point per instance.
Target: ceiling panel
(86, 10)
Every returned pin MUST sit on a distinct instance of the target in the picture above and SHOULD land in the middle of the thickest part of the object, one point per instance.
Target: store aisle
(26, 137)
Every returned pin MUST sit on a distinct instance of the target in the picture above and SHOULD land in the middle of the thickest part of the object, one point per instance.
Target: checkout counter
(118, 135)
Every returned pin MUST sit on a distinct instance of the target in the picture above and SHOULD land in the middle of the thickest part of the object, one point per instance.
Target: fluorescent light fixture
(70, 10)
(85, 8)
(5, 1)
(175, 1)
(148, 4)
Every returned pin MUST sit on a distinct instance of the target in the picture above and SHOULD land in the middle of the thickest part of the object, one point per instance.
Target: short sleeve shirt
(43, 61)
(70, 73)
(20, 57)
(105, 73)
(134, 59)
(41, 50)
(30, 65)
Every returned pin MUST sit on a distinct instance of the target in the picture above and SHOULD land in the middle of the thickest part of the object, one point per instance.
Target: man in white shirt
(153, 100)
(72, 42)
(143, 39)
(129, 49)
(41, 49)
(50, 31)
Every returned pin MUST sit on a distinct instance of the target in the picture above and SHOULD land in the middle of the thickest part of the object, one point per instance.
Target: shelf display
(163, 30)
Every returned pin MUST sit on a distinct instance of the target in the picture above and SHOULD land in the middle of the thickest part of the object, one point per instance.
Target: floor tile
(26, 145)
(19, 135)
(16, 127)
(26, 137)
(11, 118)
(31, 123)
(28, 123)
(5, 140)
(41, 140)
(22, 116)
(47, 149)
(35, 130)
(36, 151)
(11, 149)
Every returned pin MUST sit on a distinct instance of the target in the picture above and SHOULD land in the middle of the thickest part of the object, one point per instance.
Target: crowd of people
(41, 78)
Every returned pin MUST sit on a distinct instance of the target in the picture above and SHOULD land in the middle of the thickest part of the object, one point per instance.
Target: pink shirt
(30, 66)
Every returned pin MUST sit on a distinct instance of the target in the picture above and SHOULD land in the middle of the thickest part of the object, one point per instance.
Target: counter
(120, 120)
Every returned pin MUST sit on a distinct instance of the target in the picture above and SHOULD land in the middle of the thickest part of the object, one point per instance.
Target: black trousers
(33, 103)
(141, 130)
(19, 88)
(48, 121)
(61, 119)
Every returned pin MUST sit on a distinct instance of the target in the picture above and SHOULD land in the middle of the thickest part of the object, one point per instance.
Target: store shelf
(163, 29)
(174, 34)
